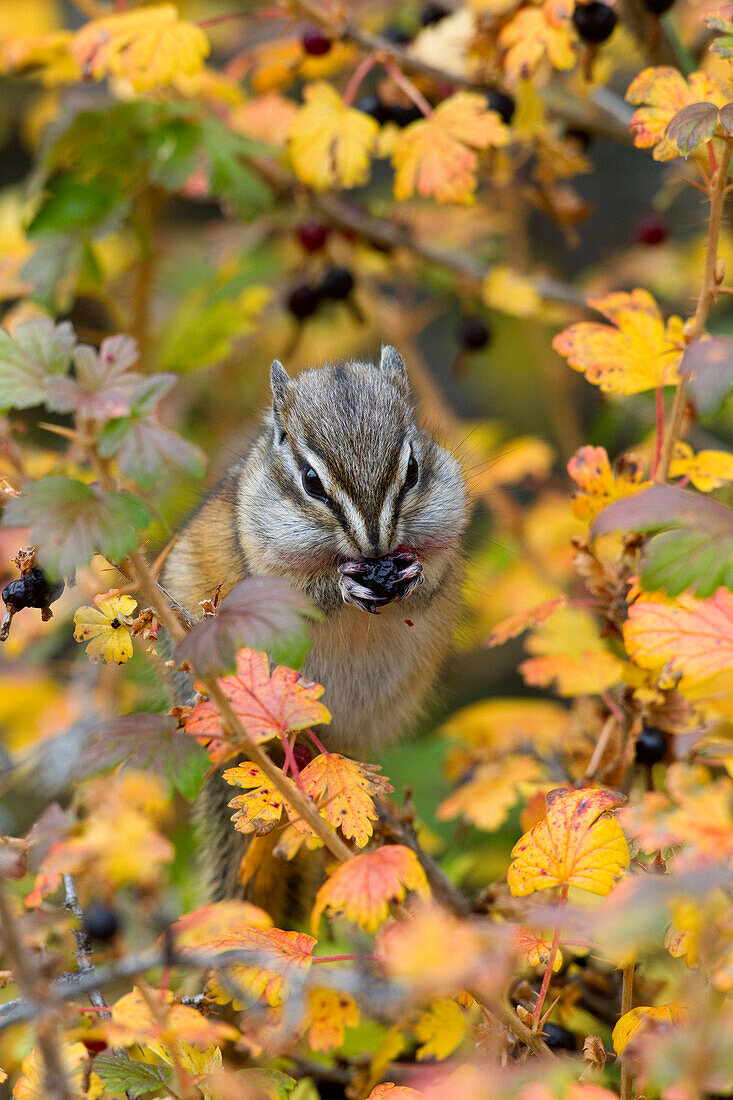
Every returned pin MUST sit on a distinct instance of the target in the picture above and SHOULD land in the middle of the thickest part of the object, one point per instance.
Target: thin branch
(627, 1001)
(83, 951)
(442, 887)
(511, 1022)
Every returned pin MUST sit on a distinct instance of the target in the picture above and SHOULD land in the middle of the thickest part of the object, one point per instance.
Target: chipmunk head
(351, 473)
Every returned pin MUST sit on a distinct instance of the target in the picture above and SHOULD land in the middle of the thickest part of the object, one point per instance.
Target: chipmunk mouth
(372, 583)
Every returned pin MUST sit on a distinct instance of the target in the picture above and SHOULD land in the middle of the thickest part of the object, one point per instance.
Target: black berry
(337, 283)
(559, 1038)
(432, 13)
(403, 116)
(100, 922)
(473, 334)
(302, 754)
(503, 104)
(302, 301)
(396, 36)
(651, 746)
(372, 105)
(33, 589)
(594, 22)
(315, 42)
(312, 235)
(657, 7)
(652, 229)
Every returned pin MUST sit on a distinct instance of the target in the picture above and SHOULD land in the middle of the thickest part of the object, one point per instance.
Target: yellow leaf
(329, 1014)
(134, 1022)
(637, 352)
(363, 888)
(75, 1060)
(599, 484)
(638, 1019)
(436, 157)
(499, 725)
(486, 799)
(660, 93)
(261, 808)
(510, 292)
(440, 1030)
(535, 949)
(434, 951)
(691, 636)
(107, 628)
(579, 843)
(330, 143)
(280, 956)
(707, 470)
(46, 54)
(683, 935)
(536, 33)
(342, 790)
(566, 648)
(149, 47)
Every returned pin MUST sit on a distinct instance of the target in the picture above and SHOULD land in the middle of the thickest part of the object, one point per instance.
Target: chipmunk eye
(412, 472)
(313, 485)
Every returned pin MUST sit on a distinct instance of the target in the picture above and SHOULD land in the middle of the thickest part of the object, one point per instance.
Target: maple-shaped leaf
(645, 1017)
(329, 1014)
(707, 470)
(363, 888)
(693, 126)
(134, 1022)
(694, 548)
(516, 624)
(140, 443)
(281, 958)
(599, 485)
(489, 794)
(440, 1030)
(212, 927)
(37, 352)
(148, 48)
(342, 789)
(103, 385)
(131, 1078)
(535, 949)
(496, 726)
(436, 157)
(661, 93)
(263, 613)
(691, 636)
(74, 1058)
(330, 143)
(267, 704)
(536, 33)
(70, 522)
(579, 843)
(637, 352)
(566, 649)
(260, 809)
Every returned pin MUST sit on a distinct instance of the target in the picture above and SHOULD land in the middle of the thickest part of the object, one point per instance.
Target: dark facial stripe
(282, 478)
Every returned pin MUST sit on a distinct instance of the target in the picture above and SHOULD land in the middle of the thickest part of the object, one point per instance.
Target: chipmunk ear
(392, 362)
(280, 383)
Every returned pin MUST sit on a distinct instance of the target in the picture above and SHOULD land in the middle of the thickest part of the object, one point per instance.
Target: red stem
(215, 20)
(316, 742)
(292, 764)
(346, 958)
(407, 87)
(365, 65)
(550, 963)
(660, 432)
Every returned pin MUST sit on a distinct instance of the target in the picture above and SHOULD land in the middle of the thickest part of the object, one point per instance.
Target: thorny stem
(627, 1000)
(550, 962)
(83, 947)
(708, 292)
(30, 982)
(511, 1022)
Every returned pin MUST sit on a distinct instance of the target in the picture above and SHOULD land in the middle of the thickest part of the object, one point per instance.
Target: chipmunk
(350, 500)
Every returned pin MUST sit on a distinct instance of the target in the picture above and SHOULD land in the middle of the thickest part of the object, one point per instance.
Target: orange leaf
(486, 799)
(281, 956)
(694, 637)
(536, 33)
(260, 809)
(329, 1014)
(436, 156)
(267, 118)
(578, 843)
(574, 674)
(534, 949)
(516, 624)
(660, 93)
(599, 484)
(433, 950)
(636, 353)
(149, 48)
(268, 705)
(212, 926)
(639, 1019)
(362, 888)
(342, 790)
(390, 1091)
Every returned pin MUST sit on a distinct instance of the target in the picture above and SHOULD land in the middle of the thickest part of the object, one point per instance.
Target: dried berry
(302, 754)
(374, 582)
(33, 589)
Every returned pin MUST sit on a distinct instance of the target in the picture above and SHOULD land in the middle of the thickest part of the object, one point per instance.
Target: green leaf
(37, 351)
(692, 126)
(709, 366)
(725, 116)
(70, 522)
(124, 1075)
(266, 1084)
(70, 204)
(229, 177)
(694, 548)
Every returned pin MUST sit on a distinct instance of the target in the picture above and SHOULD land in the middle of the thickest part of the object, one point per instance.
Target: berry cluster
(304, 299)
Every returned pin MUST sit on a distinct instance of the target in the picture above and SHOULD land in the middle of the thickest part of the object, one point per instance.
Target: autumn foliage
(530, 899)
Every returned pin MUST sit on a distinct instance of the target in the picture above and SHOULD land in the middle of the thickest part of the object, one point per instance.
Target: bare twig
(442, 887)
(83, 951)
(627, 1000)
